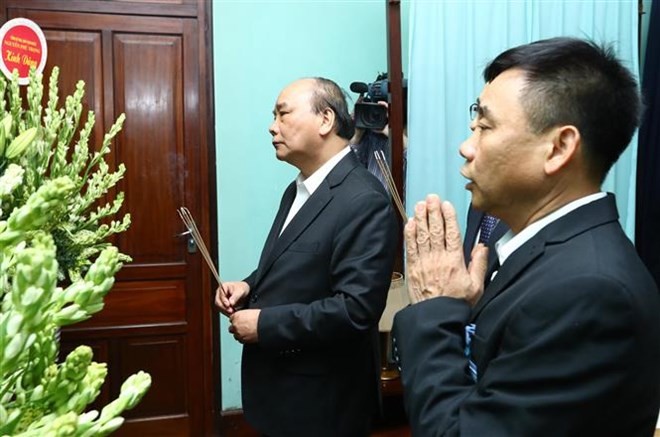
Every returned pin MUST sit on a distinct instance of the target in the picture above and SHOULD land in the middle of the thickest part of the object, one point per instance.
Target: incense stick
(385, 170)
(188, 220)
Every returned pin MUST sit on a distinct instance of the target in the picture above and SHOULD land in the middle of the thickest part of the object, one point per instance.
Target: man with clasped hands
(565, 338)
(308, 315)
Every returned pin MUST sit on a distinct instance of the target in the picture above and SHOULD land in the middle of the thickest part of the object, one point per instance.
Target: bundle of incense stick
(188, 220)
(385, 170)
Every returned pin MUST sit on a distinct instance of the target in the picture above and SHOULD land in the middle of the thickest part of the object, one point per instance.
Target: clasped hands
(435, 265)
(242, 323)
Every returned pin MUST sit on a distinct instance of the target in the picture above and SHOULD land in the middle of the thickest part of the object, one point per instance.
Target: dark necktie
(472, 366)
(488, 223)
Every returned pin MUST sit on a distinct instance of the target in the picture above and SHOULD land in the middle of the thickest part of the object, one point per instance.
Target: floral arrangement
(56, 264)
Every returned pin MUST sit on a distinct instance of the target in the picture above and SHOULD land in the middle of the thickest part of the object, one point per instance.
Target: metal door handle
(191, 246)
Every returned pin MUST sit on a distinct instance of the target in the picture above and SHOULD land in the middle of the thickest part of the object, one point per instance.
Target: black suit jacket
(567, 341)
(321, 287)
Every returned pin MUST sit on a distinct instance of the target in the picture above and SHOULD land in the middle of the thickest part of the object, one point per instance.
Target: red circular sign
(23, 46)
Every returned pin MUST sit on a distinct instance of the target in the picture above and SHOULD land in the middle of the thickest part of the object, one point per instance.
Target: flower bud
(21, 143)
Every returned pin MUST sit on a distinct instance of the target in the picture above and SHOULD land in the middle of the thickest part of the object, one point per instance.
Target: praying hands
(435, 265)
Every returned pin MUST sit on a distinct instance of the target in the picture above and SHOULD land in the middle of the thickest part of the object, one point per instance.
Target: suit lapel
(515, 264)
(308, 213)
(285, 206)
(575, 222)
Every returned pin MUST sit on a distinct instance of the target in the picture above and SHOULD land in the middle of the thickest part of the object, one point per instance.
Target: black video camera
(368, 113)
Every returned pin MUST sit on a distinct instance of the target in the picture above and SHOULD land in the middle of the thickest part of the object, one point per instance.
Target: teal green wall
(259, 47)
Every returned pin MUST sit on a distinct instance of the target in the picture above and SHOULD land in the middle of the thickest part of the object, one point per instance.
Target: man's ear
(327, 121)
(566, 145)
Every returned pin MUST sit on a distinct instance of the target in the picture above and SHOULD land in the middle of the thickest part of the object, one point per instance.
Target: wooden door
(159, 316)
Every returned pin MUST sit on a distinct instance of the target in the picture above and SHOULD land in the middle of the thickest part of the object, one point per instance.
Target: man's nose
(272, 128)
(466, 149)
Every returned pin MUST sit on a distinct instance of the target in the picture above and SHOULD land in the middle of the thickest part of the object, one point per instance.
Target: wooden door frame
(210, 204)
(201, 10)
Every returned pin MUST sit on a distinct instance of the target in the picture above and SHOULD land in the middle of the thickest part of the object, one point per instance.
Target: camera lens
(375, 117)
(370, 116)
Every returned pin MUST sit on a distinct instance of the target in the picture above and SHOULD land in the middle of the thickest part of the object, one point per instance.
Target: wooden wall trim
(209, 204)
(395, 77)
(164, 9)
(234, 425)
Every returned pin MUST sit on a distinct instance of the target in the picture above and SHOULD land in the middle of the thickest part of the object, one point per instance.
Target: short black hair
(577, 82)
(328, 94)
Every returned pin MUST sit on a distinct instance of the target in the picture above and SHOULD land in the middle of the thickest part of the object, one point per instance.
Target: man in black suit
(310, 310)
(565, 339)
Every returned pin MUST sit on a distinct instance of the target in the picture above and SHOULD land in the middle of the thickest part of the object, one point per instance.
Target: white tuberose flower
(12, 178)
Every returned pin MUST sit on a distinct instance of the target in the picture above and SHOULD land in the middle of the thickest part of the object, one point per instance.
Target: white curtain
(450, 44)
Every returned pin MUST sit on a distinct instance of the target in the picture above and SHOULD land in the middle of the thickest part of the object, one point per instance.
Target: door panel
(149, 91)
(133, 303)
(82, 50)
(168, 394)
(158, 317)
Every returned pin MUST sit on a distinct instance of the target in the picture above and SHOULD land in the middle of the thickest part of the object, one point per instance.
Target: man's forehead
(507, 84)
(501, 92)
(295, 94)
(285, 103)
(301, 86)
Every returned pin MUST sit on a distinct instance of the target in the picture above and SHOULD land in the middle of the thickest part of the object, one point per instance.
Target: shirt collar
(509, 243)
(314, 180)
